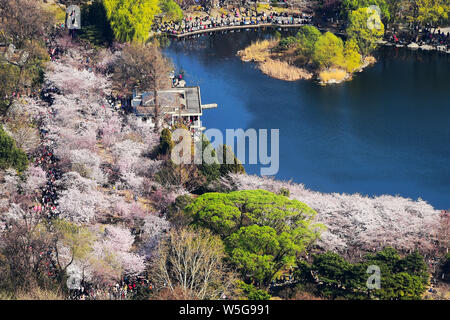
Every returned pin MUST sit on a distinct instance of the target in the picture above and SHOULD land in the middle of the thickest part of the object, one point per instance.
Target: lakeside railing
(210, 24)
(283, 23)
(180, 34)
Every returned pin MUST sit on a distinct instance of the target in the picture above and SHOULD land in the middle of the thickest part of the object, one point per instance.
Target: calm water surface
(385, 132)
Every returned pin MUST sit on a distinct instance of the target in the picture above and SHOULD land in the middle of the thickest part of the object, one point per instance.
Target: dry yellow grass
(37, 293)
(332, 75)
(269, 64)
(223, 11)
(283, 70)
(134, 137)
(104, 154)
(262, 7)
(258, 51)
(194, 11)
(56, 9)
(370, 60)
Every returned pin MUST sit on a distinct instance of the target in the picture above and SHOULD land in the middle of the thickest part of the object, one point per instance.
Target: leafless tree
(23, 249)
(192, 261)
(143, 68)
(178, 293)
(186, 175)
(19, 126)
(22, 20)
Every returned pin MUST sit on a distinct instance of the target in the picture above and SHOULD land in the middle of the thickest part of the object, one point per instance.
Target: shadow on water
(385, 132)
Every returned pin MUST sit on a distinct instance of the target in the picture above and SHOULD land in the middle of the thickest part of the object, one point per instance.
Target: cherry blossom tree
(133, 166)
(11, 183)
(106, 184)
(87, 164)
(73, 80)
(111, 131)
(105, 60)
(110, 256)
(357, 223)
(115, 245)
(145, 130)
(123, 210)
(153, 230)
(35, 179)
(80, 201)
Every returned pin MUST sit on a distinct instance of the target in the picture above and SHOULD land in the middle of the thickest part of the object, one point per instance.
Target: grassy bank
(270, 64)
(288, 65)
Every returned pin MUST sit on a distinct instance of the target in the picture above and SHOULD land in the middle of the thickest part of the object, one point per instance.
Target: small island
(313, 54)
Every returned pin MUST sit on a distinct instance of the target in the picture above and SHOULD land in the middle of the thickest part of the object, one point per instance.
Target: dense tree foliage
(196, 177)
(259, 252)
(352, 58)
(131, 20)
(226, 168)
(401, 278)
(348, 6)
(321, 51)
(263, 231)
(423, 12)
(165, 142)
(417, 12)
(211, 171)
(366, 28)
(171, 10)
(95, 25)
(328, 51)
(10, 155)
(307, 37)
(250, 292)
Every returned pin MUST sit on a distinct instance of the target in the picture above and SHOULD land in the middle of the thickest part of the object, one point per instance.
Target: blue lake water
(385, 132)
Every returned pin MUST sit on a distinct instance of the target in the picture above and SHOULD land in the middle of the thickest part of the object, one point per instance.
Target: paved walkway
(211, 24)
(244, 27)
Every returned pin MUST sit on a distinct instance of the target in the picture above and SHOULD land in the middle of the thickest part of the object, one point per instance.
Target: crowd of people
(53, 50)
(49, 163)
(125, 289)
(438, 40)
(236, 18)
(435, 39)
(129, 287)
(45, 157)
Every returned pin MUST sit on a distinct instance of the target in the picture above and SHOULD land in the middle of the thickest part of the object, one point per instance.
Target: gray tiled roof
(184, 100)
